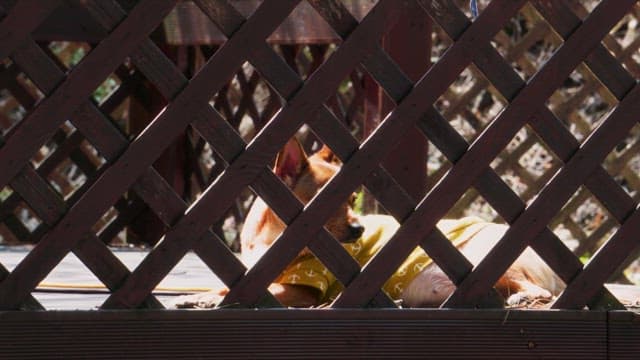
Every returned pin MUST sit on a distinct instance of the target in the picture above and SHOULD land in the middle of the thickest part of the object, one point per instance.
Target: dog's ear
(290, 162)
(325, 153)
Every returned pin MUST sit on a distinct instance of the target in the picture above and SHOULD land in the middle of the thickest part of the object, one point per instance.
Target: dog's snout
(356, 230)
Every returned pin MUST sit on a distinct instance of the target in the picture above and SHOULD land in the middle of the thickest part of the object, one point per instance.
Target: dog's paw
(529, 298)
(206, 300)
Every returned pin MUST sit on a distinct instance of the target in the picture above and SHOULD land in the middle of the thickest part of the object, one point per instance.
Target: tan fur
(262, 226)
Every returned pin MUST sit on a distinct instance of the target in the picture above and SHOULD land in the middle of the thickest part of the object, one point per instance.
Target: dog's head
(305, 176)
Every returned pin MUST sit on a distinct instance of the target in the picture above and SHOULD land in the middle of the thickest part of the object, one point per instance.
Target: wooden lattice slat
(77, 83)
(110, 143)
(510, 205)
(23, 18)
(559, 130)
(537, 90)
(568, 23)
(423, 220)
(258, 152)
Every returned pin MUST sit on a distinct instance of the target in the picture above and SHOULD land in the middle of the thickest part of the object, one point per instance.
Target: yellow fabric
(309, 271)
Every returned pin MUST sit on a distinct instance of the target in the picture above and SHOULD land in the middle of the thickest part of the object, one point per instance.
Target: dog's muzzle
(355, 232)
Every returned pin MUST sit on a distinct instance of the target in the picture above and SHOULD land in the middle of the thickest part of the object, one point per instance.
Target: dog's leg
(430, 288)
(527, 280)
(287, 295)
(517, 286)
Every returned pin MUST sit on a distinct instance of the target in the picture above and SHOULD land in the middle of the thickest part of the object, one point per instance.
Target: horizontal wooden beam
(318, 333)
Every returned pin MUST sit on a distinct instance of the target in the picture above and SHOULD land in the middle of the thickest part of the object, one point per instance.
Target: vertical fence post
(409, 44)
(146, 228)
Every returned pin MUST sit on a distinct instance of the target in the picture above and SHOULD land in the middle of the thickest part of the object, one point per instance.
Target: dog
(417, 283)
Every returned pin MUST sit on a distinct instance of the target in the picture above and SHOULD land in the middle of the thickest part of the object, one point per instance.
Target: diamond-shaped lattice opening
(470, 103)
(305, 25)
(18, 96)
(5, 193)
(437, 165)
(472, 203)
(107, 88)
(93, 155)
(475, 238)
(539, 161)
(71, 286)
(20, 223)
(623, 42)
(190, 276)
(583, 224)
(229, 229)
(67, 178)
(623, 163)
(308, 270)
(581, 103)
(378, 230)
(137, 225)
(229, 226)
(68, 161)
(129, 99)
(359, 10)
(545, 289)
(305, 59)
(7, 237)
(526, 42)
(69, 53)
(247, 101)
(526, 164)
(8, 219)
(104, 221)
(109, 228)
(590, 216)
(364, 202)
(205, 167)
(187, 23)
(632, 273)
(254, 219)
(265, 225)
(360, 103)
(636, 60)
(27, 217)
(440, 43)
(436, 287)
(57, 141)
(11, 112)
(34, 92)
(15, 233)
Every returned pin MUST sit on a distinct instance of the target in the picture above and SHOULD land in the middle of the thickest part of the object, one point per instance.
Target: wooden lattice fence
(530, 110)
(247, 102)
(527, 165)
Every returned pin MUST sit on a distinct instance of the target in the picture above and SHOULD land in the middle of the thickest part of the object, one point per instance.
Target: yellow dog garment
(309, 271)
